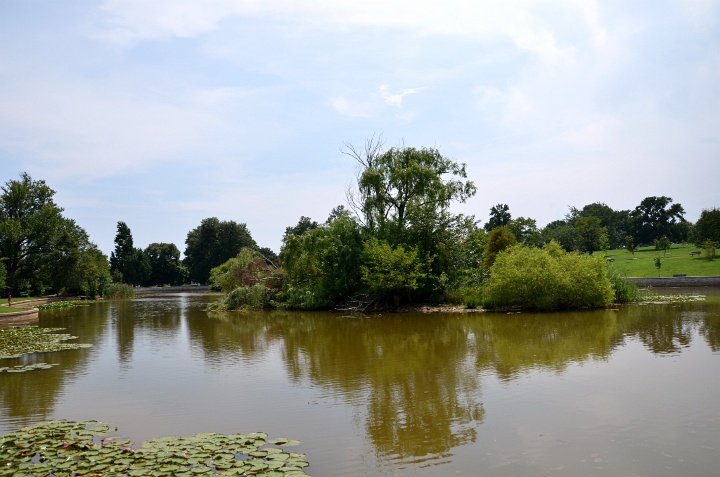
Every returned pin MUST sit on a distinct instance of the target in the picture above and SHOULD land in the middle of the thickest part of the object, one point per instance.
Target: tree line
(395, 241)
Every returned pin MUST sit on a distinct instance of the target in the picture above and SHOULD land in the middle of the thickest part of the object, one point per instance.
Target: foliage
(710, 247)
(391, 270)
(630, 244)
(590, 234)
(525, 230)
(255, 297)
(542, 279)
(248, 280)
(663, 243)
(561, 232)
(500, 239)
(403, 194)
(305, 224)
(212, 243)
(614, 222)
(131, 263)
(625, 290)
(655, 217)
(30, 223)
(499, 217)
(117, 291)
(707, 227)
(85, 448)
(322, 265)
(165, 265)
(16, 341)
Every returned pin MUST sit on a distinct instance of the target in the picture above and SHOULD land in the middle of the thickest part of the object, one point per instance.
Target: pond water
(628, 392)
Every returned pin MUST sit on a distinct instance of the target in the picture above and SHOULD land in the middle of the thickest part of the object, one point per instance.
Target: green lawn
(677, 260)
(17, 304)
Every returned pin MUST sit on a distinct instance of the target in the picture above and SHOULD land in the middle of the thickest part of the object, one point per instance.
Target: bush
(255, 297)
(547, 279)
(625, 290)
(119, 291)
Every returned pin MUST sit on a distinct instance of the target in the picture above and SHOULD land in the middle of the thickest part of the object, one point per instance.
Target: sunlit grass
(676, 261)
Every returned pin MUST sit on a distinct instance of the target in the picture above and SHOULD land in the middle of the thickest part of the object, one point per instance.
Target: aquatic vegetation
(61, 305)
(16, 341)
(29, 367)
(85, 448)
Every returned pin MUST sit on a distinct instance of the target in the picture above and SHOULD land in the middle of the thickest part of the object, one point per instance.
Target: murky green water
(627, 392)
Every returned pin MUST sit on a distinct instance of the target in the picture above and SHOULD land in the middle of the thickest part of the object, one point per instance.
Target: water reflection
(415, 382)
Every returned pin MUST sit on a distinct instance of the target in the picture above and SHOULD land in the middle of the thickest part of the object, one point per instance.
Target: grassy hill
(677, 260)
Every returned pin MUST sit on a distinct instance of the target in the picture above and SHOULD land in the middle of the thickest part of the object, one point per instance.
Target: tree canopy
(212, 243)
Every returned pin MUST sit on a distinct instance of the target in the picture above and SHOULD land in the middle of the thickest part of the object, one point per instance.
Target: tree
(561, 232)
(127, 262)
(590, 233)
(29, 223)
(658, 216)
(165, 264)
(404, 188)
(403, 198)
(124, 249)
(212, 243)
(305, 224)
(707, 228)
(499, 217)
(524, 230)
(499, 239)
(615, 222)
(322, 266)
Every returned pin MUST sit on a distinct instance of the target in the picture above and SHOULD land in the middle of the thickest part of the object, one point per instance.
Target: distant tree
(499, 217)
(127, 262)
(212, 243)
(30, 223)
(663, 243)
(630, 244)
(590, 233)
(707, 227)
(658, 216)
(305, 224)
(562, 232)
(499, 239)
(615, 222)
(165, 265)
(269, 256)
(525, 230)
(124, 249)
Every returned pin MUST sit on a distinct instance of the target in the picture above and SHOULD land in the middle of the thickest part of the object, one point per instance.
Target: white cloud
(394, 99)
(514, 21)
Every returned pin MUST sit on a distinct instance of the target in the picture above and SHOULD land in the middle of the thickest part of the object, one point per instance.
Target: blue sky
(162, 113)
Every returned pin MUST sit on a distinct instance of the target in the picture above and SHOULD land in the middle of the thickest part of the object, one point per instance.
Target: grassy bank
(677, 260)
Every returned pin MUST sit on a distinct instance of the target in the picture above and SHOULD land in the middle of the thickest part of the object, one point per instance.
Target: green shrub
(119, 291)
(255, 297)
(546, 279)
(303, 298)
(625, 290)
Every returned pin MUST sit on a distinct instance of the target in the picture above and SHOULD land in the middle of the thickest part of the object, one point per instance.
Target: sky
(163, 113)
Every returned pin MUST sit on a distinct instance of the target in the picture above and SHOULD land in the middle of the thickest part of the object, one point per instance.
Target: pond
(632, 391)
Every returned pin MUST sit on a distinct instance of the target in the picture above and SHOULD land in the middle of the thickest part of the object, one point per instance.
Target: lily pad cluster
(29, 367)
(16, 341)
(61, 305)
(85, 449)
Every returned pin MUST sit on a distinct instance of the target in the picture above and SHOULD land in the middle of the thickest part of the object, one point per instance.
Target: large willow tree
(403, 197)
